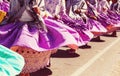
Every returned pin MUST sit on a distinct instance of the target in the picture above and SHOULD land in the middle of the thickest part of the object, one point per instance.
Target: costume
(105, 18)
(11, 63)
(58, 8)
(92, 17)
(22, 33)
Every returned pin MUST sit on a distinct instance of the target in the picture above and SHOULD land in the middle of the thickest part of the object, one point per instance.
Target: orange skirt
(34, 60)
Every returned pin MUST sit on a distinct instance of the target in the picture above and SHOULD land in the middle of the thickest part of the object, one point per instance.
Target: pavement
(103, 59)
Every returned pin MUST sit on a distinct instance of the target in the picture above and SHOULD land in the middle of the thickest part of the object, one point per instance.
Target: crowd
(32, 30)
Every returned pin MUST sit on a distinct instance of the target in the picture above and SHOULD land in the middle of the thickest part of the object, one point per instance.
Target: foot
(96, 39)
(85, 46)
(114, 34)
(71, 51)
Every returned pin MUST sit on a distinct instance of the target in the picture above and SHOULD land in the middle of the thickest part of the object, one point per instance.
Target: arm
(35, 12)
(35, 6)
(107, 5)
(77, 6)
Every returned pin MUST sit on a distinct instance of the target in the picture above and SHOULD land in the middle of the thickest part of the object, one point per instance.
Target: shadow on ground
(64, 54)
(95, 40)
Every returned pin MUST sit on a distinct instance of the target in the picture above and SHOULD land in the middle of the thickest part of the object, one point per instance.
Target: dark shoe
(114, 34)
(85, 46)
(97, 39)
(71, 51)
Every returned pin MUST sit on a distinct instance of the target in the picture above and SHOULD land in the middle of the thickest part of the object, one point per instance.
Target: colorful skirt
(84, 33)
(33, 45)
(26, 34)
(107, 23)
(97, 28)
(115, 18)
(71, 30)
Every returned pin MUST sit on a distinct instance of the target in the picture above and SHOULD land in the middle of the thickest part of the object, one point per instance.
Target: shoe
(114, 34)
(71, 51)
(85, 46)
(97, 39)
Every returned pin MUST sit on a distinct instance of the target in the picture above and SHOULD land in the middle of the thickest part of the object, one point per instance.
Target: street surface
(103, 59)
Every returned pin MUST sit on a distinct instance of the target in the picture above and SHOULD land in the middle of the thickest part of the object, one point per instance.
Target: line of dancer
(36, 29)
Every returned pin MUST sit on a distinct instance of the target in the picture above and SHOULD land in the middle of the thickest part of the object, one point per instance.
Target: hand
(87, 2)
(94, 17)
(37, 10)
(56, 17)
(77, 11)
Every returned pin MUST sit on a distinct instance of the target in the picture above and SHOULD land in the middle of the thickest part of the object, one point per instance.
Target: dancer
(86, 13)
(58, 10)
(25, 32)
(104, 18)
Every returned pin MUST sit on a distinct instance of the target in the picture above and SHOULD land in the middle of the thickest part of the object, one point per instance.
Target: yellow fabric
(2, 15)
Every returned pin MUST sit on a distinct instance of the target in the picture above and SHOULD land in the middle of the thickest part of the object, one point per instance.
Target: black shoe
(97, 39)
(114, 34)
(71, 51)
(85, 46)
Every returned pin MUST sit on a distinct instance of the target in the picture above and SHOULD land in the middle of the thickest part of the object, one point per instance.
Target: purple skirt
(108, 19)
(96, 26)
(72, 31)
(84, 33)
(114, 18)
(4, 6)
(27, 35)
